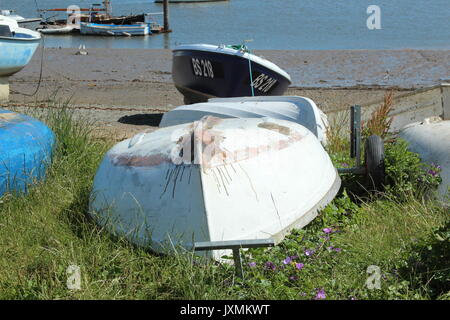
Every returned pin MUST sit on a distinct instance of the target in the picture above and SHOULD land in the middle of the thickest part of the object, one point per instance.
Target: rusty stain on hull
(275, 127)
(203, 144)
(139, 161)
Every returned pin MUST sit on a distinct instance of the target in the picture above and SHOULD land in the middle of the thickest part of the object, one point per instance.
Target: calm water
(274, 24)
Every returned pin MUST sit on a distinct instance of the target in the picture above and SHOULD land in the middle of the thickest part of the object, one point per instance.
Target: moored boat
(17, 46)
(202, 71)
(25, 151)
(292, 108)
(140, 29)
(19, 19)
(59, 29)
(188, 1)
(431, 140)
(213, 180)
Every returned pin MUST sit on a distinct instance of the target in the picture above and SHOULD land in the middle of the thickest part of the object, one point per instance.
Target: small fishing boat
(213, 180)
(203, 71)
(25, 151)
(140, 29)
(292, 108)
(19, 19)
(94, 14)
(431, 140)
(59, 29)
(17, 46)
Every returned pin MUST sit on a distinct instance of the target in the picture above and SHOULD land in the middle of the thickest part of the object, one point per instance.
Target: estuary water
(272, 24)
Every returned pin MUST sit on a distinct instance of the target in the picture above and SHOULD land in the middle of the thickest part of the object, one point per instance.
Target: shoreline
(131, 82)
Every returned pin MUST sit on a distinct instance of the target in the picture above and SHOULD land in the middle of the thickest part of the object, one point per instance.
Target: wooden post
(4, 89)
(445, 90)
(108, 9)
(166, 16)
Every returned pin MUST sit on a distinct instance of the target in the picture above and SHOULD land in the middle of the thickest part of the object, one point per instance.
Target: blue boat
(26, 146)
(17, 46)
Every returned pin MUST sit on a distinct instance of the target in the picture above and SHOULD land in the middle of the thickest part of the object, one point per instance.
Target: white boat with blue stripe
(141, 29)
(17, 46)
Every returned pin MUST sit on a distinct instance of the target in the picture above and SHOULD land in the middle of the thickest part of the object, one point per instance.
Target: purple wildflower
(252, 264)
(270, 265)
(327, 230)
(320, 295)
(299, 266)
(432, 173)
(309, 253)
(331, 248)
(287, 260)
(290, 259)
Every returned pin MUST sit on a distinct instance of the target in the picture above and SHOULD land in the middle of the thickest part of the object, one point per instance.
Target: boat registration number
(264, 83)
(202, 68)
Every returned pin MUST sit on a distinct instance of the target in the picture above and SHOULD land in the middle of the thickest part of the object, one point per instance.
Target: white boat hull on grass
(431, 140)
(245, 179)
(297, 109)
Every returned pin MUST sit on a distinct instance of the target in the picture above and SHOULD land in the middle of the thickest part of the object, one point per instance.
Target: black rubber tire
(374, 161)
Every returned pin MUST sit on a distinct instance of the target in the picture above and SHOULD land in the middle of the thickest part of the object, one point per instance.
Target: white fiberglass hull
(292, 108)
(17, 46)
(247, 179)
(431, 140)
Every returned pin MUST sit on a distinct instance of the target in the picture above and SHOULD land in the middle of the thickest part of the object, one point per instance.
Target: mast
(108, 8)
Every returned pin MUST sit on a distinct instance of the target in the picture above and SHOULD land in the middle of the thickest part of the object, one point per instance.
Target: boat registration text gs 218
(204, 68)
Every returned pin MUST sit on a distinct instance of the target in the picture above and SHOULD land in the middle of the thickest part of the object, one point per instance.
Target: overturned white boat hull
(431, 140)
(292, 108)
(213, 180)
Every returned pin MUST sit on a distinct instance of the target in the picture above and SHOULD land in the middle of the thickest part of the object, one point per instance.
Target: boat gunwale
(237, 53)
(36, 39)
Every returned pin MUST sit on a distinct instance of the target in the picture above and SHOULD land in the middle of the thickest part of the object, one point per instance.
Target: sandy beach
(116, 87)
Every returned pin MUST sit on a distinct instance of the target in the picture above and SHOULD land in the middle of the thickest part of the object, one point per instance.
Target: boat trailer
(373, 166)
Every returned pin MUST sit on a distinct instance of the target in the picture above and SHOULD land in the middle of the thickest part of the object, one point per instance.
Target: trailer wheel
(374, 161)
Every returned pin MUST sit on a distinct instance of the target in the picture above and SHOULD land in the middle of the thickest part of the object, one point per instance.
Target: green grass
(47, 230)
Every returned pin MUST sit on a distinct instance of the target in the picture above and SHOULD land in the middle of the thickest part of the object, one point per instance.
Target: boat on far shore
(188, 1)
(141, 29)
(12, 15)
(97, 20)
(59, 29)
